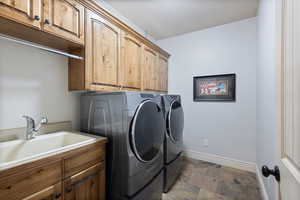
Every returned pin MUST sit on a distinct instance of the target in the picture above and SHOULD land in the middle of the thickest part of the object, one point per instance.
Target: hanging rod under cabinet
(35, 45)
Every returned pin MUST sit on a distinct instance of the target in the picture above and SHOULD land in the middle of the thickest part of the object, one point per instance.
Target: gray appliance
(134, 125)
(173, 144)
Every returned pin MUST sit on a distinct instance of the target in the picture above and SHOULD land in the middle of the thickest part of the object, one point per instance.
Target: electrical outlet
(205, 142)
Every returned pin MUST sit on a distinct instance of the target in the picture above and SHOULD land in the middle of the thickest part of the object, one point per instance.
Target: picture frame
(214, 87)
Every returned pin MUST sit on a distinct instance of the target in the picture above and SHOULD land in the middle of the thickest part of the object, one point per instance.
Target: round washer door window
(175, 121)
(147, 131)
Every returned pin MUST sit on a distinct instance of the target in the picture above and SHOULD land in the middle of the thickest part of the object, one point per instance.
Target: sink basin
(20, 151)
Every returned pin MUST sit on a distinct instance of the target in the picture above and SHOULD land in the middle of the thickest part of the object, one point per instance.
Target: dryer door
(175, 122)
(147, 131)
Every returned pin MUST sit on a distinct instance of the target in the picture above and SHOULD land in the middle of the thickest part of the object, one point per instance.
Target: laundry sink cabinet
(75, 174)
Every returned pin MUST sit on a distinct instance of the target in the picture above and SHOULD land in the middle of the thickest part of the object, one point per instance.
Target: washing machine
(173, 143)
(134, 125)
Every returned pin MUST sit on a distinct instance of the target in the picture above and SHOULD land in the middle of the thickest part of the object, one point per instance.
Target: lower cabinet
(75, 175)
(51, 193)
(86, 185)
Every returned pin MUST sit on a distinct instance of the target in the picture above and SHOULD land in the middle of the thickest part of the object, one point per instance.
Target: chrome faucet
(31, 128)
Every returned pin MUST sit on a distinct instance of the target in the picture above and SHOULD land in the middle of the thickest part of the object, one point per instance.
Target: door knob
(47, 21)
(37, 18)
(274, 172)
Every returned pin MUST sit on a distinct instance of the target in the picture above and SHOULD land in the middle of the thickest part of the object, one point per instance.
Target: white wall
(229, 126)
(35, 83)
(267, 101)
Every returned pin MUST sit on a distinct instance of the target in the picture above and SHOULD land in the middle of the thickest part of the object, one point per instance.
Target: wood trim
(88, 171)
(46, 192)
(154, 91)
(96, 7)
(130, 89)
(99, 87)
(261, 185)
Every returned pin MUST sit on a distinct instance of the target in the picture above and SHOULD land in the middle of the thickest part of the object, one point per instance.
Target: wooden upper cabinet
(53, 192)
(64, 18)
(150, 75)
(27, 12)
(102, 51)
(162, 73)
(88, 184)
(131, 54)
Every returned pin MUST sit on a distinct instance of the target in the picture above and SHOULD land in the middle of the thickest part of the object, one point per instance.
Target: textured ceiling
(167, 18)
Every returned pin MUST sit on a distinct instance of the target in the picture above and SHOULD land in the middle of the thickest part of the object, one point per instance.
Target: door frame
(279, 82)
(279, 56)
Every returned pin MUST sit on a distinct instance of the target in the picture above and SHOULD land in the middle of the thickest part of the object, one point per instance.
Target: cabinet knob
(92, 183)
(69, 189)
(37, 18)
(57, 196)
(47, 21)
(274, 172)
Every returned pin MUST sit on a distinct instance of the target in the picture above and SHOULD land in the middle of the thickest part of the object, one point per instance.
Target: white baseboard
(261, 184)
(228, 162)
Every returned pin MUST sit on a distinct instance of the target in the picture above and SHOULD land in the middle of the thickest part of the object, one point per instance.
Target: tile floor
(206, 181)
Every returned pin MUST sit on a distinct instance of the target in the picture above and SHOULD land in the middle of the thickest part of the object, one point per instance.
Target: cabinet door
(162, 73)
(26, 12)
(102, 51)
(130, 70)
(27, 182)
(51, 193)
(88, 184)
(64, 18)
(149, 69)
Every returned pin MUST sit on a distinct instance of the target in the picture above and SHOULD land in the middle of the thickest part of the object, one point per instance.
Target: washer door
(175, 122)
(147, 131)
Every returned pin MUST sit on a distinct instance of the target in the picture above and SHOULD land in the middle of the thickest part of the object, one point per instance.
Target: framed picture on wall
(214, 88)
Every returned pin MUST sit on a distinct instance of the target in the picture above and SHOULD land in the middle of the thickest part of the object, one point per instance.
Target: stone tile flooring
(206, 181)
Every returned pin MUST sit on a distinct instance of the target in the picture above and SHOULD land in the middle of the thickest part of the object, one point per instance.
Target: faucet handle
(44, 120)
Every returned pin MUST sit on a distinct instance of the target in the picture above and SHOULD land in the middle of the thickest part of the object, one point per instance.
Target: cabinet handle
(47, 21)
(37, 18)
(69, 189)
(57, 196)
